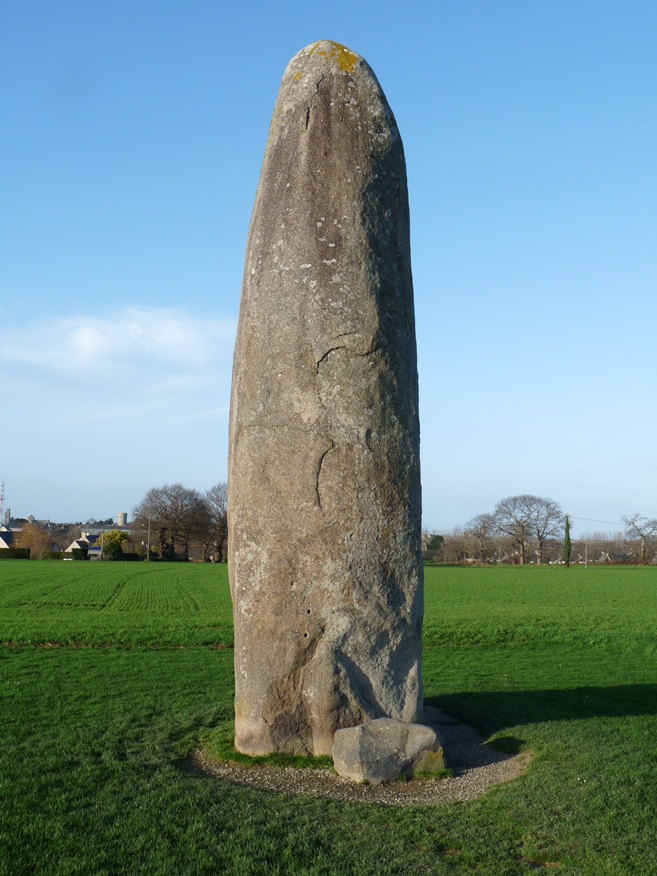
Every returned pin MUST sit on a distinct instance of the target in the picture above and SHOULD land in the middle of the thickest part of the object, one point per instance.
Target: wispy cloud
(129, 368)
(120, 340)
(138, 395)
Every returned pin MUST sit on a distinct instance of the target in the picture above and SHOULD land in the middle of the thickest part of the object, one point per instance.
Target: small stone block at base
(386, 749)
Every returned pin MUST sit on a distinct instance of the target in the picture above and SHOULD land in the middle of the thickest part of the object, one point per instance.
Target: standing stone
(324, 470)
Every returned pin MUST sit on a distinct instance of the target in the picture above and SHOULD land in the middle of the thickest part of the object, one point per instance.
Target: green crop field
(92, 603)
(110, 675)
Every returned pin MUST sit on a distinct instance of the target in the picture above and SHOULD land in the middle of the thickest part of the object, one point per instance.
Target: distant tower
(122, 519)
(2, 504)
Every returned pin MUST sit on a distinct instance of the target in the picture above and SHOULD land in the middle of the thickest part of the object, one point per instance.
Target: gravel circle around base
(476, 767)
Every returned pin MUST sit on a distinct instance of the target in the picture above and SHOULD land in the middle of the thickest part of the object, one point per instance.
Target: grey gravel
(476, 767)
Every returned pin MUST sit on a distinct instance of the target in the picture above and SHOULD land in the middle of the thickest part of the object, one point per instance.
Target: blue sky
(133, 134)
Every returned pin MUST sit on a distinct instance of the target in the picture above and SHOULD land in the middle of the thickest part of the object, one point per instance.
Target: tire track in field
(120, 586)
(112, 597)
(45, 599)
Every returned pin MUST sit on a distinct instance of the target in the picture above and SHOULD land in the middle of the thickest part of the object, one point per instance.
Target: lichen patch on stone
(344, 59)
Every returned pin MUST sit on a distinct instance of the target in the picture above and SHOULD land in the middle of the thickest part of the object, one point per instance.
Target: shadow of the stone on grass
(465, 749)
(508, 744)
(492, 711)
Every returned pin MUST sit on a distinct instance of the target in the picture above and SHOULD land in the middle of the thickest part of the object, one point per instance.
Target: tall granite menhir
(324, 469)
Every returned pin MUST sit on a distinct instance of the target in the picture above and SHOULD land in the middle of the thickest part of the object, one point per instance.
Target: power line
(589, 520)
(459, 530)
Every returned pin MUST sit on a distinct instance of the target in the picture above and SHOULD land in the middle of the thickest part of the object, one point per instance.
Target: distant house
(77, 544)
(8, 540)
(86, 542)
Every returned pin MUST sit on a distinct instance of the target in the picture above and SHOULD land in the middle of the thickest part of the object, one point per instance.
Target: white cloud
(121, 400)
(120, 340)
(90, 380)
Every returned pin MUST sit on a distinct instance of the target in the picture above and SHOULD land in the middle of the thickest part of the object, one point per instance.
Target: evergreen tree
(112, 544)
(566, 543)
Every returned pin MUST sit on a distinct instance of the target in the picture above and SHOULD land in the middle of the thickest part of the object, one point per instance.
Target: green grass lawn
(93, 736)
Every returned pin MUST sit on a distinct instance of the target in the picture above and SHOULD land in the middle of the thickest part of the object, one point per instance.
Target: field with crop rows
(94, 603)
(110, 676)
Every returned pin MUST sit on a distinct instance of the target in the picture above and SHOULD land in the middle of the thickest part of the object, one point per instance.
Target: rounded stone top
(328, 56)
(340, 56)
(331, 65)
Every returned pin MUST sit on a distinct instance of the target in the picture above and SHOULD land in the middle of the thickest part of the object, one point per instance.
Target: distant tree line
(530, 529)
(173, 521)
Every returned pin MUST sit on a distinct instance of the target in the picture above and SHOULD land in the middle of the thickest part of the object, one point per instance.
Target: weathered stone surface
(385, 749)
(324, 472)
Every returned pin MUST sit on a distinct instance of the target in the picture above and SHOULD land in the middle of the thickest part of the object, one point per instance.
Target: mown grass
(93, 740)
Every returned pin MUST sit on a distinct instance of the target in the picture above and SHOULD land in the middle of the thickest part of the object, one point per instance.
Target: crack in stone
(373, 348)
(319, 471)
(312, 100)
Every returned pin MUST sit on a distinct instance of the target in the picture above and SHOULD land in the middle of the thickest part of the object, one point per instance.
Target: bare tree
(175, 515)
(524, 518)
(36, 538)
(513, 517)
(454, 548)
(602, 547)
(151, 516)
(218, 521)
(482, 528)
(547, 520)
(193, 519)
(639, 527)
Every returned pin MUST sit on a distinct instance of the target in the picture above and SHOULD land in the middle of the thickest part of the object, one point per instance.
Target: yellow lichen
(340, 55)
(297, 75)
